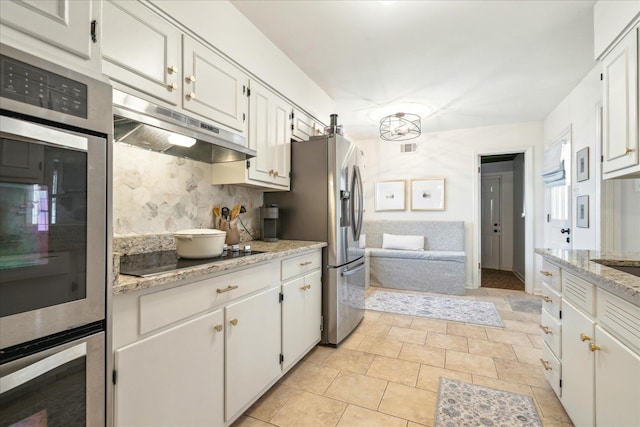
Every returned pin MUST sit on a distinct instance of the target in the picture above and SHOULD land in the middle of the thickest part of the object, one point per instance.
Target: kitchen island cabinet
(234, 319)
(600, 339)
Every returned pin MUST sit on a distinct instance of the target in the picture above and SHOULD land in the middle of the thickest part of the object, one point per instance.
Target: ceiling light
(181, 140)
(400, 127)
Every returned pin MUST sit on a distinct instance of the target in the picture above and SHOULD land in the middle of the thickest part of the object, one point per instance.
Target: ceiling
(467, 63)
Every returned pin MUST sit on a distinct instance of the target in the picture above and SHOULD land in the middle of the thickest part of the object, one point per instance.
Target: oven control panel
(36, 86)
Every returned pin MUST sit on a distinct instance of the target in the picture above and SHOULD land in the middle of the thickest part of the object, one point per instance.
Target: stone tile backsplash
(154, 193)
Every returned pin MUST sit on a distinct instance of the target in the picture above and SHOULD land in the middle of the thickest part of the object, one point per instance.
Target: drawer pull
(218, 328)
(302, 264)
(172, 70)
(546, 299)
(584, 337)
(594, 347)
(305, 287)
(546, 273)
(227, 289)
(172, 86)
(234, 322)
(545, 364)
(545, 329)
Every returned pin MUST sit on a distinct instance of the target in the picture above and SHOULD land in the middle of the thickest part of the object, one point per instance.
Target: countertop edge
(124, 284)
(623, 285)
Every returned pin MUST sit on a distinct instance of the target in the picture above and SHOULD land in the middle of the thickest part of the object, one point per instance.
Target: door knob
(565, 230)
(234, 322)
(172, 69)
(495, 231)
(495, 225)
(218, 328)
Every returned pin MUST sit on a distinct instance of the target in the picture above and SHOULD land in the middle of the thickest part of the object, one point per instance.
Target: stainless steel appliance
(269, 223)
(153, 127)
(55, 151)
(326, 204)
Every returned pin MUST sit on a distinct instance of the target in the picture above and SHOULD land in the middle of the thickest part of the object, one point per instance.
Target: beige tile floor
(387, 372)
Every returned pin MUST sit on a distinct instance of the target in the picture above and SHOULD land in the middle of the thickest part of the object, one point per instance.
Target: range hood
(142, 124)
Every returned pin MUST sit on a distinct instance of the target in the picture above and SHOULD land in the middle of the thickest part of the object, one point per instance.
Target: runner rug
(456, 309)
(463, 404)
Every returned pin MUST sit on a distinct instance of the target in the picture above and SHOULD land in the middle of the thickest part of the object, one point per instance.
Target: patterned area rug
(463, 404)
(457, 309)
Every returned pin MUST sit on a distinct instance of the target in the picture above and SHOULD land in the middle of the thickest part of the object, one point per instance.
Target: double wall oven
(55, 137)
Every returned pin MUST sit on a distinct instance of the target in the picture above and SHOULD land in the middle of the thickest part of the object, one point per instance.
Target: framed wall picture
(427, 194)
(582, 164)
(389, 196)
(582, 211)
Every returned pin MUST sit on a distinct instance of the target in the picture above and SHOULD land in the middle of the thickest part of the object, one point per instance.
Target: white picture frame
(389, 195)
(582, 211)
(427, 194)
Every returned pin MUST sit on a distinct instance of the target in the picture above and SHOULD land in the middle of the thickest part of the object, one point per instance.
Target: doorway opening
(502, 221)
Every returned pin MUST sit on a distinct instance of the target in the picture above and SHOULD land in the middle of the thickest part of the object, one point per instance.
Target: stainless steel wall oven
(55, 137)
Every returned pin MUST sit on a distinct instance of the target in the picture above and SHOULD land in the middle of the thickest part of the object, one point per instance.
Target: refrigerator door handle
(352, 271)
(356, 188)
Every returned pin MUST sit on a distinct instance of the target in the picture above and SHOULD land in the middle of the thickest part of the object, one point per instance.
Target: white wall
(579, 110)
(453, 155)
(224, 27)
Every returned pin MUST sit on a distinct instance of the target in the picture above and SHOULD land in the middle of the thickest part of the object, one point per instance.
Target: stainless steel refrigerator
(326, 204)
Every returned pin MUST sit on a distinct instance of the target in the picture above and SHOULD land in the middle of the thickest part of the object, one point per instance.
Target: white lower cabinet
(617, 370)
(577, 368)
(174, 377)
(252, 354)
(301, 321)
(200, 353)
(600, 356)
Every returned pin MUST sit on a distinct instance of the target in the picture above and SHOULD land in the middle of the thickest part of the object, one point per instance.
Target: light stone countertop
(624, 285)
(273, 250)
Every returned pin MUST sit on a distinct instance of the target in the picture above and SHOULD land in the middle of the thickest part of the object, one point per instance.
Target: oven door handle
(41, 367)
(39, 133)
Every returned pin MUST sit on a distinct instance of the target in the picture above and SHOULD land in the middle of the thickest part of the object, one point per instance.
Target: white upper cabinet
(213, 87)
(620, 108)
(66, 25)
(304, 127)
(141, 50)
(270, 136)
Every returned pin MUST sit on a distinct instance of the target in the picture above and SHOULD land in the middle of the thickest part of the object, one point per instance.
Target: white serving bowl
(199, 242)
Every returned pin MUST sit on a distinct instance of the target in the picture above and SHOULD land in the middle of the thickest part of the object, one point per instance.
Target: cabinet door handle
(305, 287)
(191, 79)
(584, 337)
(172, 69)
(173, 86)
(234, 322)
(546, 299)
(271, 171)
(227, 289)
(545, 329)
(275, 173)
(302, 264)
(628, 150)
(545, 364)
(191, 95)
(593, 347)
(218, 328)
(546, 273)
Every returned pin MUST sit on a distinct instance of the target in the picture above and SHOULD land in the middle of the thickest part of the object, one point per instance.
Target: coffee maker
(269, 222)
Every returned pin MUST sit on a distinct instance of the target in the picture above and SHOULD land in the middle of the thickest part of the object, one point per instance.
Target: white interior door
(558, 201)
(490, 218)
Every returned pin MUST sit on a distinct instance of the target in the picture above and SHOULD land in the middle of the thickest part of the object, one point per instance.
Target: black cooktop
(152, 263)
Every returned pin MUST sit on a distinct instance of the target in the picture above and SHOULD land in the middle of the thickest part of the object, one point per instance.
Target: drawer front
(301, 264)
(552, 367)
(551, 301)
(551, 329)
(165, 307)
(619, 318)
(551, 275)
(580, 292)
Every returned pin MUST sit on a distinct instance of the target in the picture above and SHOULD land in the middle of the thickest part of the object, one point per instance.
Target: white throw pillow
(407, 243)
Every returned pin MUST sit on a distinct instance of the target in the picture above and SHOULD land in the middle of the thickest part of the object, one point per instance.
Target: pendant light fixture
(400, 127)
